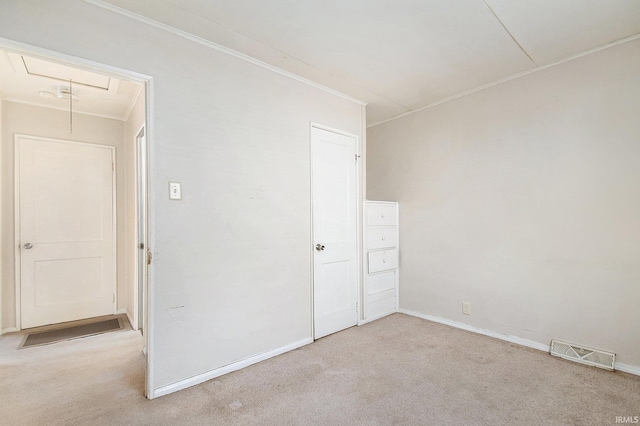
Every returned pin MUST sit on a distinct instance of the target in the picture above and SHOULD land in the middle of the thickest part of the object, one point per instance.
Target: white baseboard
(200, 378)
(506, 337)
(377, 317)
(9, 330)
(632, 369)
(130, 319)
(626, 368)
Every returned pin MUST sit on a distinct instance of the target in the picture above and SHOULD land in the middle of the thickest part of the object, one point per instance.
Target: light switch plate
(175, 192)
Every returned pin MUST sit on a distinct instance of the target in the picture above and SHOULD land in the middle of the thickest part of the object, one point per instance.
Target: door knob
(28, 246)
(319, 247)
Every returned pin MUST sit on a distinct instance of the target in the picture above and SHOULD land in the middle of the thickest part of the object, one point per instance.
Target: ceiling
(35, 81)
(400, 55)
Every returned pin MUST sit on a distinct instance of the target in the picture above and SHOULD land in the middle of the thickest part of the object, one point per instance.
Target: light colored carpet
(397, 370)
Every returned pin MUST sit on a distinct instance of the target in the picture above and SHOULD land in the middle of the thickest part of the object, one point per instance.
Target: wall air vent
(583, 354)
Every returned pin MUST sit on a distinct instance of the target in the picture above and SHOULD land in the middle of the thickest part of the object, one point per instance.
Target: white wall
(51, 123)
(231, 270)
(524, 199)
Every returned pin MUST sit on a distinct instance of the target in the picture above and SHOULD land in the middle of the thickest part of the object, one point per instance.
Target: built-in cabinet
(381, 259)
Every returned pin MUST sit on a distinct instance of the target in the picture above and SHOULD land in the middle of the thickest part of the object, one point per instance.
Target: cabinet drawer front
(378, 238)
(381, 282)
(381, 214)
(383, 260)
(380, 308)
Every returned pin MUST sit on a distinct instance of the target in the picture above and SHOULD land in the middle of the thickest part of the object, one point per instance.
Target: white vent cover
(583, 354)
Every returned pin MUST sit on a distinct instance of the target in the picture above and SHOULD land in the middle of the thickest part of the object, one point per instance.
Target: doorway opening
(74, 136)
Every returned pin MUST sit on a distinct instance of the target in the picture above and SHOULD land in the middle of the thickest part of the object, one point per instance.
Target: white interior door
(335, 273)
(66, 230)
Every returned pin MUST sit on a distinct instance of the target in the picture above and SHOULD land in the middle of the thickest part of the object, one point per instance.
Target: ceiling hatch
(41, 68)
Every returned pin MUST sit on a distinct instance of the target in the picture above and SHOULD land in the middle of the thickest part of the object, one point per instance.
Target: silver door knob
(319, 247)
(28, 246)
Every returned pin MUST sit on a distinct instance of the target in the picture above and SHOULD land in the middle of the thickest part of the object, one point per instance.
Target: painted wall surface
(231, 275)
(51, 123)
(524, 200)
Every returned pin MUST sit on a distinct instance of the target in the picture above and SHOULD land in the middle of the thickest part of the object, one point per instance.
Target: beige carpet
(398, 370)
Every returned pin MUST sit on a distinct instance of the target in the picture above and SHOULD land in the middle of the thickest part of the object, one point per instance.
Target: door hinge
(113, 167)
(149, 256)
(113, 300)
(356, 307)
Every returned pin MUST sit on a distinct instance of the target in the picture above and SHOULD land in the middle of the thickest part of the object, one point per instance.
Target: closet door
(334, 192)
(66, 229)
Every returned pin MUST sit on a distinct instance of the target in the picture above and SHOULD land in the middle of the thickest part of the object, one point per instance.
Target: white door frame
(147, 82)
(142, 178)
(16, 214)
(359, 201)
(1, 240)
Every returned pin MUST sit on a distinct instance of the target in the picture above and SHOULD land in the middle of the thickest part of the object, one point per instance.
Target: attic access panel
(42, 68)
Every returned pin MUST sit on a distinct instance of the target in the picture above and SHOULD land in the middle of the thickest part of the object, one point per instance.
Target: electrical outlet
(466, 308)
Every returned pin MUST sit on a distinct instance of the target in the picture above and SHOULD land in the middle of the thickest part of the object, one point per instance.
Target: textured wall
(523, 199)
(231, 272)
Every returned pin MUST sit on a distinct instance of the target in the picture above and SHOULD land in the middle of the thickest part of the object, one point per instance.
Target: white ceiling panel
(405, 54)
(36, 81)
(174, 16)
(551, 30)
(412, 52)
(40, 67)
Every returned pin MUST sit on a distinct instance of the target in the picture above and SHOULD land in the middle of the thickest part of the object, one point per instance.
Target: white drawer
(383, 260)
(381, 282)
(381, 214)
(378, 238)
(380, 308)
